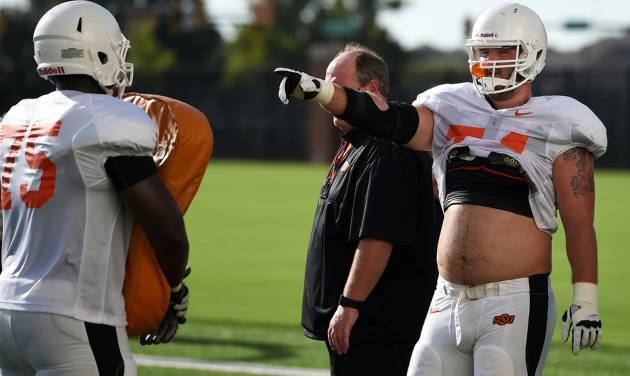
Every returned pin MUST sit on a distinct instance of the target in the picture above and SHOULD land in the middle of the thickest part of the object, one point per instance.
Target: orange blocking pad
(183, 150)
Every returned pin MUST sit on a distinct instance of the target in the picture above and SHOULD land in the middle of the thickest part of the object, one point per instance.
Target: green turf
(249, 226)
(149, 371)
(611, 208)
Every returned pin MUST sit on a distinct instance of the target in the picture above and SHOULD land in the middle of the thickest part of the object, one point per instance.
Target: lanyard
(336, 164)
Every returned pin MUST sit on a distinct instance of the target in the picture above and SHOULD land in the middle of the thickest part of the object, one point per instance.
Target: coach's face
(342, 71)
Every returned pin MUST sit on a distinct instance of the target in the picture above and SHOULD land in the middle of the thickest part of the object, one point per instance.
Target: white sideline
(224, 366)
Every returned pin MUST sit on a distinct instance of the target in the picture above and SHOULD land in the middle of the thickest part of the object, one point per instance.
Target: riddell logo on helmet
(487, 35)
(51, 70)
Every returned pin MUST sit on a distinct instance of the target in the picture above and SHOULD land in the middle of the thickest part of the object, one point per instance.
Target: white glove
(583, 317)
(302, 86)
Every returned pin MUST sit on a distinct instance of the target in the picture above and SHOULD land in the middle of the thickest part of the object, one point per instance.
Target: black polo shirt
(380, 191)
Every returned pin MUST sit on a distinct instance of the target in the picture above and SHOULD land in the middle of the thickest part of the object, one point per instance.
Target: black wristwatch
(350, 303)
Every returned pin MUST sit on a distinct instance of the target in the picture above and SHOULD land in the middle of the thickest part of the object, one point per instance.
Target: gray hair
(369, 65)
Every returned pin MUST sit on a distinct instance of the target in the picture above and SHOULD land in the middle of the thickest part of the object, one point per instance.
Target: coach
(370, 268)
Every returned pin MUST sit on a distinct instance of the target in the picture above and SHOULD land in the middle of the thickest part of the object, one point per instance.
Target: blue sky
(440, 23)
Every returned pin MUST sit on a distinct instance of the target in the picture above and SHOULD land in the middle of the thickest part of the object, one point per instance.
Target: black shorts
(371, 360)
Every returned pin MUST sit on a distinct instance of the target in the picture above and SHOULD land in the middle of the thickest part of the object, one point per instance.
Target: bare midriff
(480, 244)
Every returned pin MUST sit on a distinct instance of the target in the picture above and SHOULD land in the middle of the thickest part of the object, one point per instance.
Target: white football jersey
(535, 134)
(65, 234)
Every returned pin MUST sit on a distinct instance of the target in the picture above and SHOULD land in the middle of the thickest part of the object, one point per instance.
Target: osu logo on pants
(503, 319)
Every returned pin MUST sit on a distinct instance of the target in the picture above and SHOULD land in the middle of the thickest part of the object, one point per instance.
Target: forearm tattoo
(583, 181)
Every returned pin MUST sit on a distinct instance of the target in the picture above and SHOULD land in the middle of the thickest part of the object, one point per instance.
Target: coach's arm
(370, 260)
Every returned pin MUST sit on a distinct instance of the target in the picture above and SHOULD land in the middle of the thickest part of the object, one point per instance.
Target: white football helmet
(506, 26)
(81, 37)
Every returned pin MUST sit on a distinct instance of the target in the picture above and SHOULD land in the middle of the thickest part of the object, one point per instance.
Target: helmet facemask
(484, 71)
(114, 80)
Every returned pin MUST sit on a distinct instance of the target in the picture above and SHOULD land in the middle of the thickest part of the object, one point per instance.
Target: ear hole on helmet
(539, 54)
(80, 25)
(102, 56)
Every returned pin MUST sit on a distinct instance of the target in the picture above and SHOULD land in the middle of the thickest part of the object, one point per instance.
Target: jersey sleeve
(134, 134)
(590, 132)
(430, 98)
(385, 199)
(124, 130)
(584, 129)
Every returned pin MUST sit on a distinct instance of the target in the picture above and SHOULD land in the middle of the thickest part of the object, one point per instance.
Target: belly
(480, 244)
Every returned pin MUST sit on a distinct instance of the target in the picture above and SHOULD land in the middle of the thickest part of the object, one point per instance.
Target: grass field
(249, 226)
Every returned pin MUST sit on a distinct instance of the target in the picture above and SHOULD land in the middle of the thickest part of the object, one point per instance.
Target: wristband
(350, 303)
(585, 294)
(326, 92)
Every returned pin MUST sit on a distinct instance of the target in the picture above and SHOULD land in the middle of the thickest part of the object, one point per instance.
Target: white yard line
(219, 366)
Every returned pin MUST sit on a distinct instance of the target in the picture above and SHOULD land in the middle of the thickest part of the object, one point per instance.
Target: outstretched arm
(399, 122)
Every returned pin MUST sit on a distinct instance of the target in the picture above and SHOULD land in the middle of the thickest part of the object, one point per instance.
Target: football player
(505, 161)
(77, 172)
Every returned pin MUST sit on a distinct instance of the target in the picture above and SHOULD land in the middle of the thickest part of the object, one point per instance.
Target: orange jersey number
(514, 141)
(36, 160)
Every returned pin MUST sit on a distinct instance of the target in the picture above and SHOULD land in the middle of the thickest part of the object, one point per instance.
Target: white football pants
(34, 343)
(500, 328)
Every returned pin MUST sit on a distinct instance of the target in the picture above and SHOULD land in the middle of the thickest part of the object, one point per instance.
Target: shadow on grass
(245, 342)
(264, 351)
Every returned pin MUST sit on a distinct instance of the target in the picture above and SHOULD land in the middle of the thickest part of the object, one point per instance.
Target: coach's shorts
(53, 345)
(500, 328)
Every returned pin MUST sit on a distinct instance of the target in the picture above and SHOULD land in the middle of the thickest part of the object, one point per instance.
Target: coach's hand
(340, 327)
(582, 316)
(302, 86)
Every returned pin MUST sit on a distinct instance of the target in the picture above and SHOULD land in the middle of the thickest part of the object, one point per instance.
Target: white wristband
(585, 294)
(326, 92)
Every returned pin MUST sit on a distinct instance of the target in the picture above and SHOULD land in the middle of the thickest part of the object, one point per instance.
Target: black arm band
(350, 303)
(398, 123)
(126, 171)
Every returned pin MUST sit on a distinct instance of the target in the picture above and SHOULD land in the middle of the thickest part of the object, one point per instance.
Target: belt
(482, 291)
(536, 284)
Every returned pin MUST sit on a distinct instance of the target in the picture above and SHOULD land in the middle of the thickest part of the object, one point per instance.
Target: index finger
(285, 71)
(345, 340)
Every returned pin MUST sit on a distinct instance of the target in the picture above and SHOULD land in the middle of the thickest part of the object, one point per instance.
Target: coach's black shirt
(374, 190)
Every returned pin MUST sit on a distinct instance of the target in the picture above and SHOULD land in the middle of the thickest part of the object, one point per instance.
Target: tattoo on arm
(583, 181)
